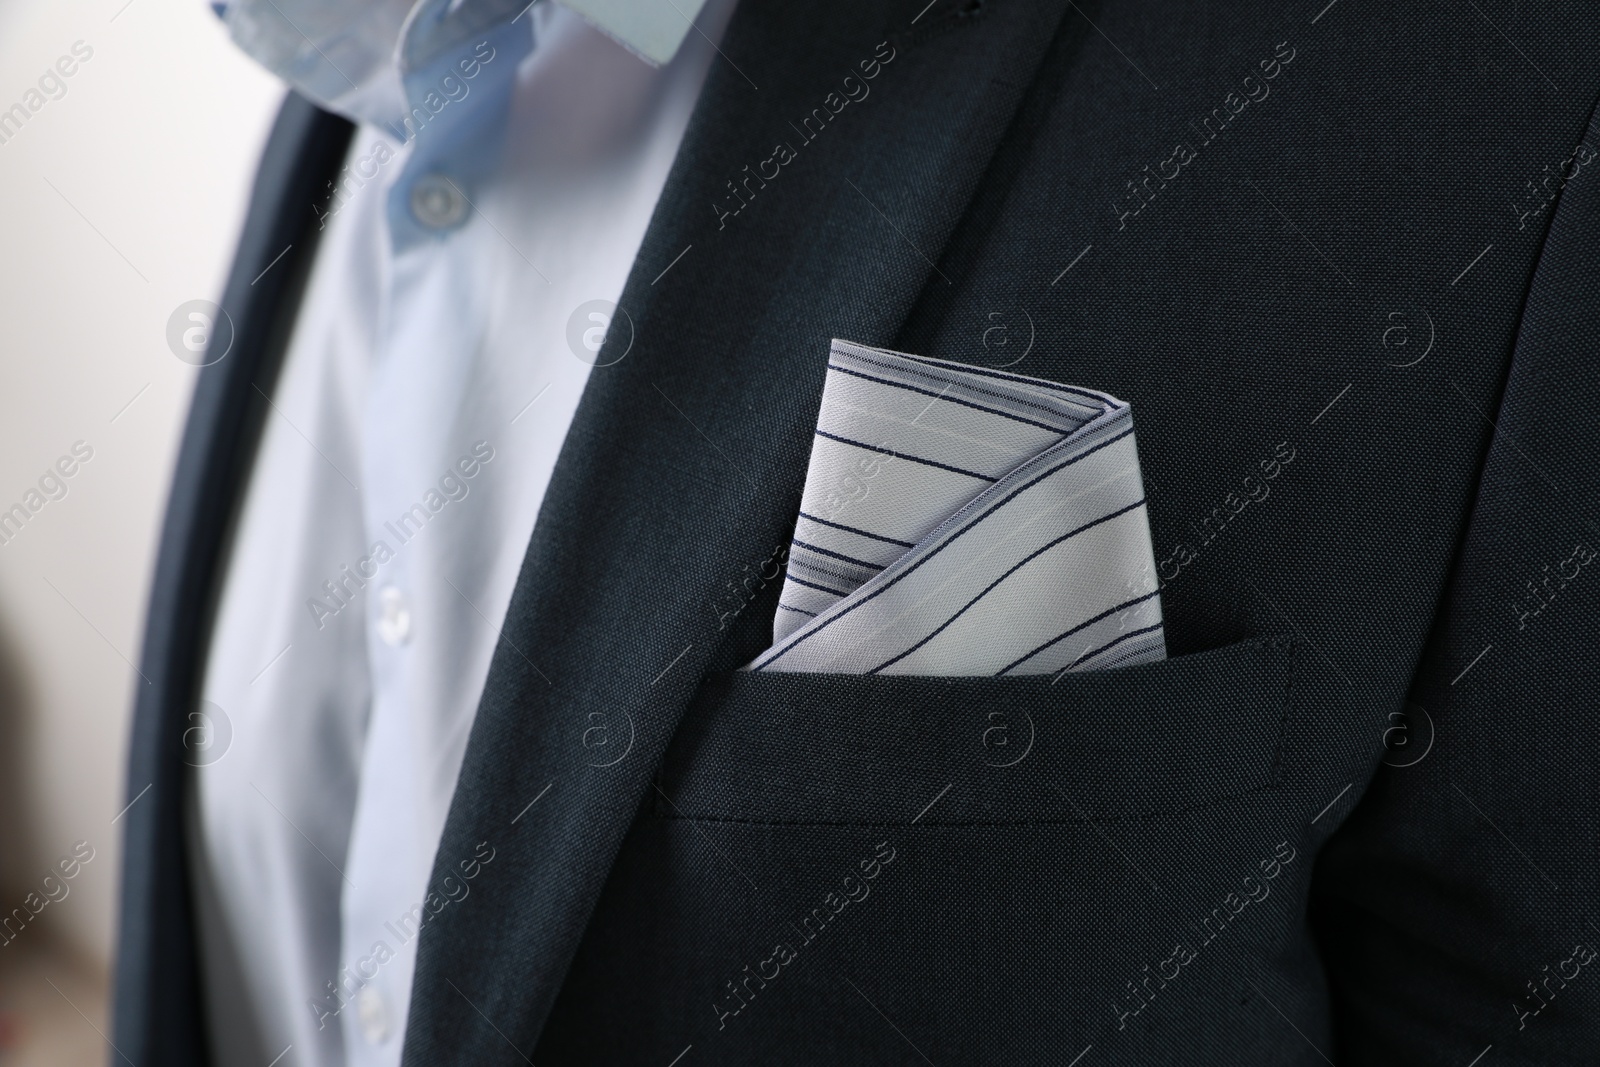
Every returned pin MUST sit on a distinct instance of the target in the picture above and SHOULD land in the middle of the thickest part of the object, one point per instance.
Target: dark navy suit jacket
(1341, 258)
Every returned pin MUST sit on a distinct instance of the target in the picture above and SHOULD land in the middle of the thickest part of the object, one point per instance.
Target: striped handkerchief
(962, 521)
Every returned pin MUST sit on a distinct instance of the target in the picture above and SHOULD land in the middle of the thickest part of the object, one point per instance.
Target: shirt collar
(354, 57)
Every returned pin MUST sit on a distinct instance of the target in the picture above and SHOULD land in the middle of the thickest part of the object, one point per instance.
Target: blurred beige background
(122, 199)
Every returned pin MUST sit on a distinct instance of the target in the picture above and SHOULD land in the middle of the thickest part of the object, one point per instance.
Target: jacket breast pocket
(1137, 742)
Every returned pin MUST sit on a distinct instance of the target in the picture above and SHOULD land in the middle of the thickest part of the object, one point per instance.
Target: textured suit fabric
(1470, 874)
(1314, 287)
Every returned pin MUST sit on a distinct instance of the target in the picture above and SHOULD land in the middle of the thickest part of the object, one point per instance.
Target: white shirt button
(437, 203)
(373, 1014)
(394, 619)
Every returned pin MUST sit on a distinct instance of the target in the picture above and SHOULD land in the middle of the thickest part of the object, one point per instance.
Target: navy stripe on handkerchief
(957, 520)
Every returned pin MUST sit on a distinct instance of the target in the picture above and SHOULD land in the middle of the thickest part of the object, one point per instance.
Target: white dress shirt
(430, 380)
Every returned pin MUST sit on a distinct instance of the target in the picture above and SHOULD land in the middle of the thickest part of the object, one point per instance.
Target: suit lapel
(156, 1016)
(683, 465)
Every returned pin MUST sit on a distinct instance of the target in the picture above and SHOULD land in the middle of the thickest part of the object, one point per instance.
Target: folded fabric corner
(964, 521)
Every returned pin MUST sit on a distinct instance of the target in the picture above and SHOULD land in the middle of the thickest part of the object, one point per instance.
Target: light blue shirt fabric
(460, 290)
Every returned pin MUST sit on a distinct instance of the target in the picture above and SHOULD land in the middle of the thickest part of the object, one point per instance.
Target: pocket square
(964, 521)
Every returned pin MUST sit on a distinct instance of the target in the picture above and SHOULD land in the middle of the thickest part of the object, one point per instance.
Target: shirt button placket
(394, 617)
(373, 1014)
(437, 202)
